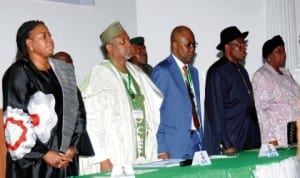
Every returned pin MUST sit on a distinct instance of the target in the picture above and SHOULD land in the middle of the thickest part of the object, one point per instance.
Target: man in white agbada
(122, 107)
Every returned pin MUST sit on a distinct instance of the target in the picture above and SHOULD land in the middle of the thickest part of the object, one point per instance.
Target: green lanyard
(189, 76)
(128, 87)
(190, 82)
(138, 103)
(130, 91)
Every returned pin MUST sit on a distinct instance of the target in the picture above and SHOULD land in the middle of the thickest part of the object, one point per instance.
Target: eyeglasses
(239, 44)
(191, 45)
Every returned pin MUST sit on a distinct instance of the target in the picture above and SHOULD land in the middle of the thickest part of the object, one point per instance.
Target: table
(243, 166)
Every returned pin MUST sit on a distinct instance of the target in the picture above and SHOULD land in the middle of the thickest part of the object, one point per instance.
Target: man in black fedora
(230, 117)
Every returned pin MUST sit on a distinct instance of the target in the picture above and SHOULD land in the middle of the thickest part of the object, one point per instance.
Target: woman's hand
(56, 159)
(68, 156)
(71, 152)
(274, 142)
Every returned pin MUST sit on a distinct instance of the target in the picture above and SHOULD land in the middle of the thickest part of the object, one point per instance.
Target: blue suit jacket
(176, 110)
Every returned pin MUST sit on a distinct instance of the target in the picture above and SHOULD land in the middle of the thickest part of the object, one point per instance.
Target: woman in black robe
(44, 116)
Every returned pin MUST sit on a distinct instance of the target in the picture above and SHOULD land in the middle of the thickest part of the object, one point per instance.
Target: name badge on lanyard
(138, 114)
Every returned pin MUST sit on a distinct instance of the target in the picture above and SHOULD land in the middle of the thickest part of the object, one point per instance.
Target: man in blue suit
(180, 132)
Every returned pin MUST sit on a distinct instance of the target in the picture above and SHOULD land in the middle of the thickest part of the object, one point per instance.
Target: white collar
(179, 63)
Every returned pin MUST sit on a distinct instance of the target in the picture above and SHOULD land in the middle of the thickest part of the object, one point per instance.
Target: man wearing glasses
(180, 131)
(230, 116)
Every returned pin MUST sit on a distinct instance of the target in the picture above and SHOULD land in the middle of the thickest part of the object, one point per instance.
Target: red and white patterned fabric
(22, 130)
(42, 112)
(19, 133)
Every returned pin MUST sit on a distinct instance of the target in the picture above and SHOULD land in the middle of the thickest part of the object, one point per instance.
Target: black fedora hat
(229, 34)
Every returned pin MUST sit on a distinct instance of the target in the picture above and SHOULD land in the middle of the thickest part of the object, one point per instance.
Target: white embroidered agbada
(110, 121)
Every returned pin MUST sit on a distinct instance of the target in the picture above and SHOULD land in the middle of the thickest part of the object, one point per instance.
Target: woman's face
(40, 42)
(277, 57)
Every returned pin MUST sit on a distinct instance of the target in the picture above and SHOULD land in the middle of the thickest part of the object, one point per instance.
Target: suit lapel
(195, 84)
(176, 72)
(194, 78)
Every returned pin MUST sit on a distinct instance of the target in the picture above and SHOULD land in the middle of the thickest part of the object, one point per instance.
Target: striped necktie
(188, 86)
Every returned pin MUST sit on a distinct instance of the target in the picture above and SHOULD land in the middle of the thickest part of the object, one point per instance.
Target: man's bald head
(63, 56)
(183, 44)
(178, 31)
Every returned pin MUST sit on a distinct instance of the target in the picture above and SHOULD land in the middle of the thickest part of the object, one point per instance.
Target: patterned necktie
(188, 86)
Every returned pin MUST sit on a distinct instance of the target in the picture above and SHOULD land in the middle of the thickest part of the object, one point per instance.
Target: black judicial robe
(20, 82)
(230, 114)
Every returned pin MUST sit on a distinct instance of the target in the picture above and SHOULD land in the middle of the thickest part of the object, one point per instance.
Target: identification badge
(138, 114)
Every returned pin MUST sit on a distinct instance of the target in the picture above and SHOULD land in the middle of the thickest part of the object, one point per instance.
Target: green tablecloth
(240, 167)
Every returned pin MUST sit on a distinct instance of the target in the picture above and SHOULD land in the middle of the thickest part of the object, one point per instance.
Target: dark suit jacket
(176, 110)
